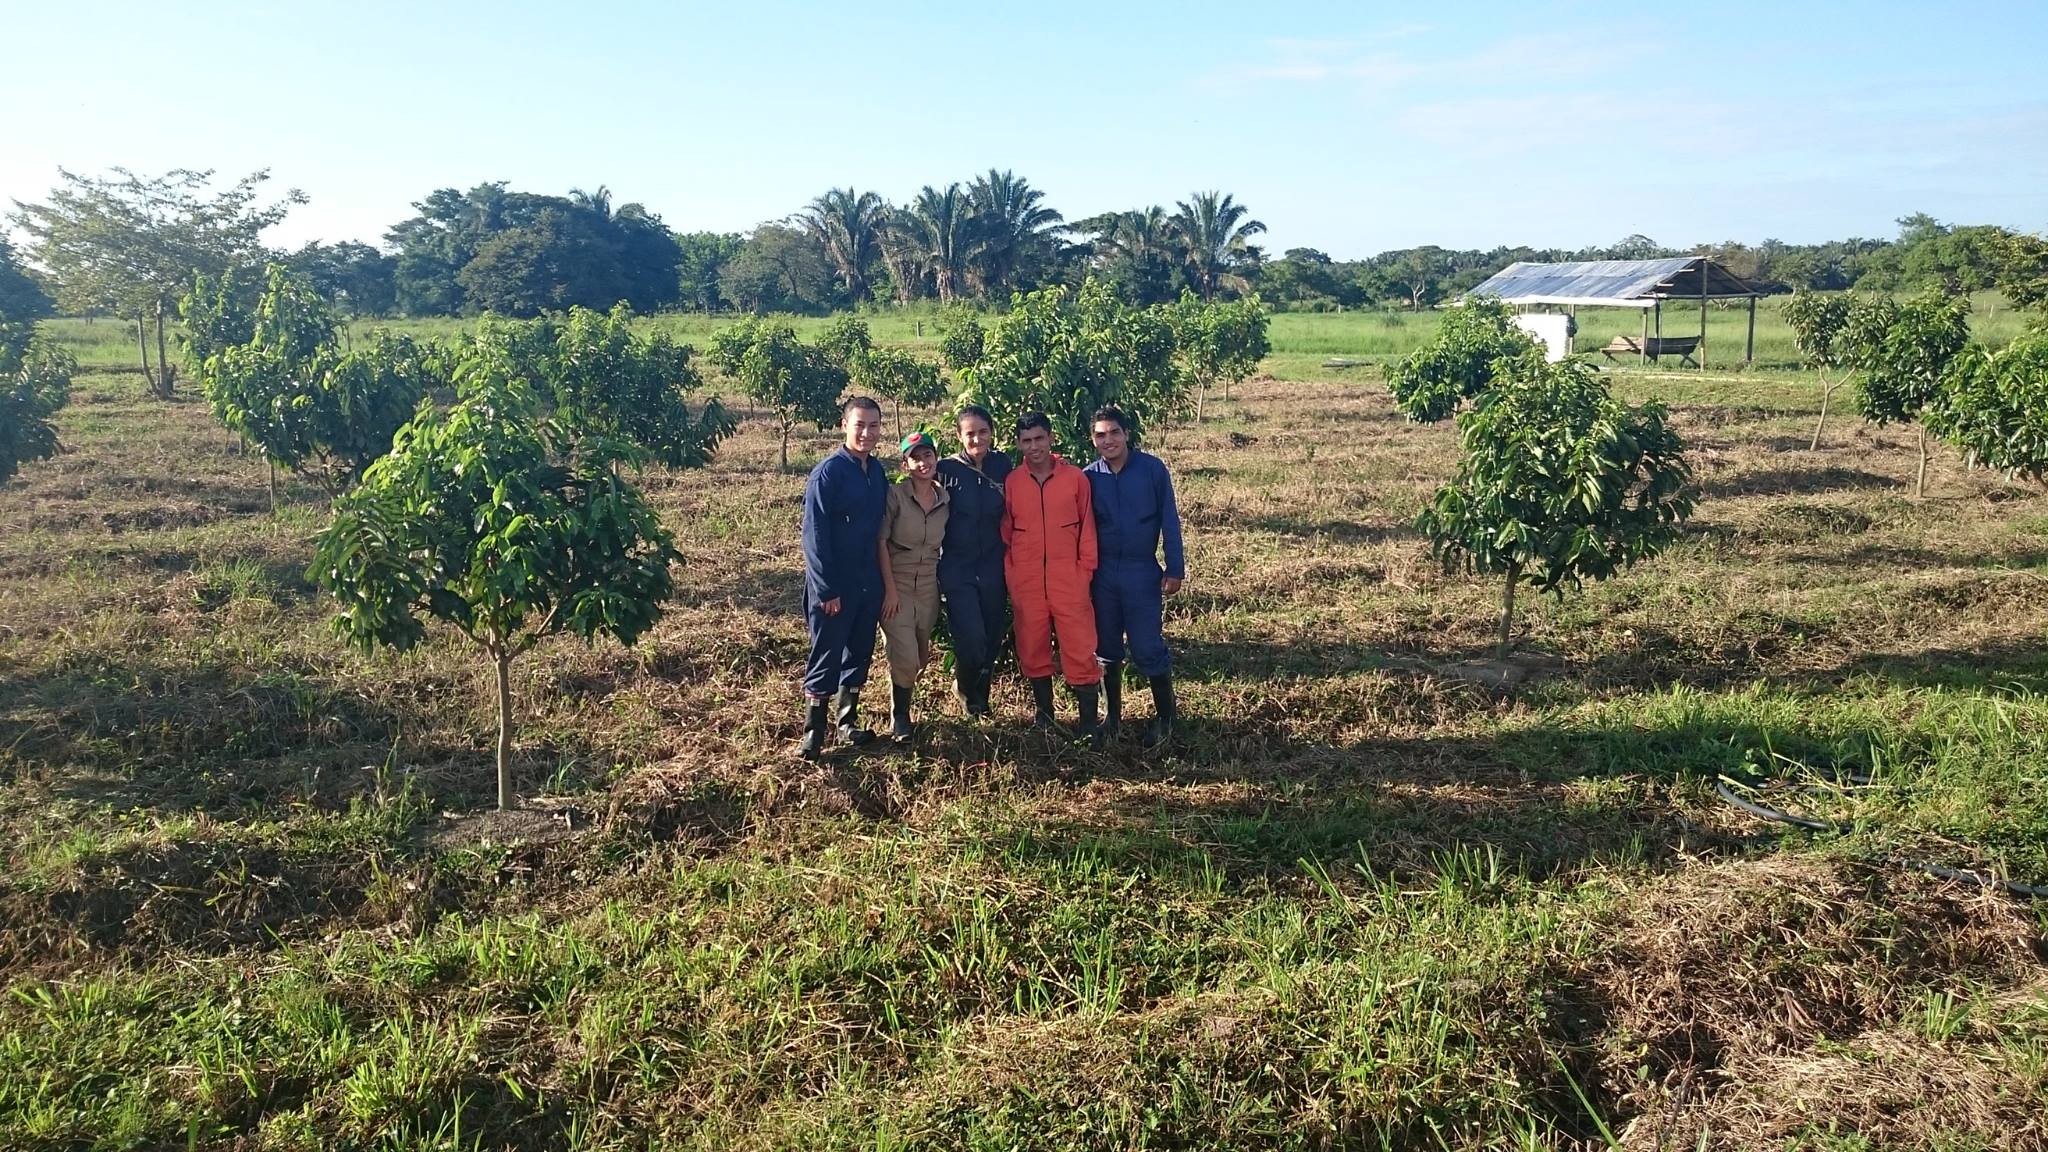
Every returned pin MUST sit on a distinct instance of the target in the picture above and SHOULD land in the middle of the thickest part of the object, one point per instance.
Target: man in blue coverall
(843, 505)
(1134, 514)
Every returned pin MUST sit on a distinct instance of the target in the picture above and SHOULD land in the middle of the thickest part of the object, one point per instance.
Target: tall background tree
(1215, 242)
(779, 269)
(1011, 230)
(358, 280)
(849, 225)
(129, 245)
(1136, 251)
(519, 253)
(937, 228)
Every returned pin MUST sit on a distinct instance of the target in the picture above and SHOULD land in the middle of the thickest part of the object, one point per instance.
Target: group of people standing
(1074, 555)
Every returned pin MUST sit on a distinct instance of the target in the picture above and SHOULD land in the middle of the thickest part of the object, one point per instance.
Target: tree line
(128, 245)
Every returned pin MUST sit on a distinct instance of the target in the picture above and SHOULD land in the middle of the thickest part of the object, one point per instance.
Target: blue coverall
(1134, 514)
(843, 506)
(971, 562)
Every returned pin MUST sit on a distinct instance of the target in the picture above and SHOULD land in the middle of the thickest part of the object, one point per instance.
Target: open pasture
(1384, 891)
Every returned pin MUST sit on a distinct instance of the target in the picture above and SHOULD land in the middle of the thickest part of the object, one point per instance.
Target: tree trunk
(1920, 477)
(504, 664)
(785, 447)
(1826, 390)
(163, 362)
(142, 346)
(1507, 615)
(1201, 400)
(273, 486)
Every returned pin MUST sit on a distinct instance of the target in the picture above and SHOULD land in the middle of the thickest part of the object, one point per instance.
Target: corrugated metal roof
(1616, 283)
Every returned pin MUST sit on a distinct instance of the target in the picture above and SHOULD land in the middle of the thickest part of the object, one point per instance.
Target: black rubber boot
(1112, 702)
(1167, 711)
(1041, 695)
(1088, 698)
(899, 712)
(816, 721)
(983, 681)
(848, 707)
(963, 687)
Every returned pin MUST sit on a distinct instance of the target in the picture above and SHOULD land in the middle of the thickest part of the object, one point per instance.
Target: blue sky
(1347, 127)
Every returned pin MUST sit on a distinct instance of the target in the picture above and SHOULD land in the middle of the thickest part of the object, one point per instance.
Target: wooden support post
(1643, 351)
(1703, 315)
(1749, 351)
(1659, 310)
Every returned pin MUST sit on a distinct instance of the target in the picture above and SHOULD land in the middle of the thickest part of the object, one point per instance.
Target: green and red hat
(916, 440)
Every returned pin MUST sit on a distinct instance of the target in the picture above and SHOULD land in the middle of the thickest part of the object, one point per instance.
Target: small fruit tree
(35, 380)
(961, 338)
(1820, 325)
(879, 370)
(1217, 341)
(497, 521)
(1068, 353)
(293, 392)
(1558, 483)
(1459, 362)
(1902, 354)
(1994, 406)
(796, 381)
(600, 380)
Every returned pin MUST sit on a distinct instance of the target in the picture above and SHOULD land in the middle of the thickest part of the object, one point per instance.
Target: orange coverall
(1048, 531)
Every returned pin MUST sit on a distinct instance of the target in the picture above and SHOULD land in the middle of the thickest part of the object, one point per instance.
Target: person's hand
(1169, 585)
(830, 607)
(889, 605)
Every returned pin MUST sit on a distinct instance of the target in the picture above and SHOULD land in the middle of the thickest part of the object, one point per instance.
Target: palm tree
(1010, 227)
(903, 255)
(1132, 235)
(598, 203)
(849, 225)
(1215, 241)
(1137, 250)
(938, 226)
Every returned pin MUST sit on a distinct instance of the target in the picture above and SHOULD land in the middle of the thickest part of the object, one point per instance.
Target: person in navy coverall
(971, 563)
(843, 505)
(1134, 515)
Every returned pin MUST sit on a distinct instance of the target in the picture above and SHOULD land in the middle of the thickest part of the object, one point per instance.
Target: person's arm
(1003, 524)
(1086, 500)
(882, 556)
(1169, 529)
(817, 522)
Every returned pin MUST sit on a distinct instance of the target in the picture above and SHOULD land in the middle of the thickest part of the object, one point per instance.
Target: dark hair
(977, 411)
(867, 402)
(1114, 415)
(1032, 420)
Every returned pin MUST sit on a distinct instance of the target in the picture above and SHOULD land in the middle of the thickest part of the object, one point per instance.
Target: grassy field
(1385, 892)
(1302, 341)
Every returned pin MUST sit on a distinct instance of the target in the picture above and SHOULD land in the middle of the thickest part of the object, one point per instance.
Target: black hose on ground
(1726, 787)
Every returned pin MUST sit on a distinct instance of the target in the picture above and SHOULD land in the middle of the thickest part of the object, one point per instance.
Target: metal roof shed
(1643, 284)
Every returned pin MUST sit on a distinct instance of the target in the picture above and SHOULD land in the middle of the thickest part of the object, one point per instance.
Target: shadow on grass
(134, 734)
(1337, 531)
(1236, 802)
(1795, 482)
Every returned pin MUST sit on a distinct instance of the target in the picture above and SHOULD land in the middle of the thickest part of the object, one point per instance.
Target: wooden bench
(1656, 347)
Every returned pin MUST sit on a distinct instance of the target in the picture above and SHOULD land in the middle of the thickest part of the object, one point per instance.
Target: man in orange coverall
(1048, 531)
